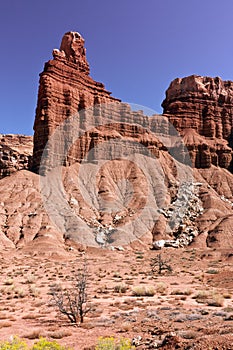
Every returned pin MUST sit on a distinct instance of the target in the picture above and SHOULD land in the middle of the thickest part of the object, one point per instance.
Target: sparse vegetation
(132, 301)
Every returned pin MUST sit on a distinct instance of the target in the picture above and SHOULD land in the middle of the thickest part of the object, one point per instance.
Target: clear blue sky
(135, 47)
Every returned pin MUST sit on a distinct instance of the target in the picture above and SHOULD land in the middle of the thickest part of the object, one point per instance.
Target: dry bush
(158, 265)
(216, 299)
(30, 317)
(227, 295)
(210, 298)
(212, 271)
(117, 274)
(126, 326)
(201, 295)
(120, 288)
(161, 287)
(9, 282)
(143, 291)
(20, 292)
(30, 278)
(181, 292)
(72, 302)
(34, 291)
(34, 334)
(5, 324)
(59, 334)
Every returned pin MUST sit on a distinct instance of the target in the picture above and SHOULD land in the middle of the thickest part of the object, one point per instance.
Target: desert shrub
(212, 271)
(9, 282)
(111, 343)
(117, 274)
(120, 288)
(20, 292)
(139, 291)
(30, 278)
(210, 298)
(42, 344)
(201, 295)
(15, 344)
(59, 334)
(34, 334)
(126, 326)
(34, 292)
(181, 292)
(227, 295)
(161, 287)
(216, 300)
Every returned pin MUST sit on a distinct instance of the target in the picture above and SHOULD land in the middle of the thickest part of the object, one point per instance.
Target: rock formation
(201, 108)
(15, 153)
(65, 88)
(121, 173)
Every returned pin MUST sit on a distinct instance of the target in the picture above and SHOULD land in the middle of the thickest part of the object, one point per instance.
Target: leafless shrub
(72, 302)
(158, 265)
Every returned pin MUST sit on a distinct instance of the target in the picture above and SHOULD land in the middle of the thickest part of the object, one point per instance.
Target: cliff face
(201, 109)
(65, 88)
(15, 153)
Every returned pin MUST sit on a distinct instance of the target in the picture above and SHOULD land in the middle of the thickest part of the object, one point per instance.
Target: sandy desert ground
(192, 306)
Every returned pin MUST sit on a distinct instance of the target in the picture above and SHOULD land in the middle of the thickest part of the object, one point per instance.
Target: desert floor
(192, 306)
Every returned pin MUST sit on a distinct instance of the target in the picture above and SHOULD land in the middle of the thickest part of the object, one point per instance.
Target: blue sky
(134, 47)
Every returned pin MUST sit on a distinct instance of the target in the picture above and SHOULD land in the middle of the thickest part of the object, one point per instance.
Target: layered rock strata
(201, 109)
(65, 88)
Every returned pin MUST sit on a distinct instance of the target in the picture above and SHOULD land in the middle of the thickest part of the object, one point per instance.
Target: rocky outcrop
(15, 153)
(201, 109)
(65, 88)
(184, 230)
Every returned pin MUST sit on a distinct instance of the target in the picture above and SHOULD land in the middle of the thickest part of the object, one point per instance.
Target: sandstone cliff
(65, 88)
(201, 108)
